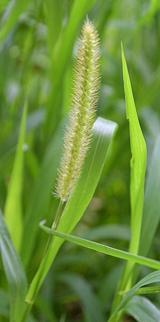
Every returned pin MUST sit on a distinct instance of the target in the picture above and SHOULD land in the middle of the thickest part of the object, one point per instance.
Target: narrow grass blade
(138, 169)
(53, 14)
(11, 14)
(93, 311)
(138, 161)
(149, 290)
(147, 280)
(81, 196)
(61, 55)
(137, 179)
(13, 206)
(14, 273)
(141, 309)
(104, 249)
(3, 304)
(108, 232)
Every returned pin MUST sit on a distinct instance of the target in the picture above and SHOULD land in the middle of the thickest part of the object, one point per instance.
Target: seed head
(84, 99)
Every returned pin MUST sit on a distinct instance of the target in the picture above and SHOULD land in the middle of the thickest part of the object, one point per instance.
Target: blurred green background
(38, 41)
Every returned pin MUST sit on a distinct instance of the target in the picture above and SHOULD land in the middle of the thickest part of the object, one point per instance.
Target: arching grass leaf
(102, 134)
(14, 273)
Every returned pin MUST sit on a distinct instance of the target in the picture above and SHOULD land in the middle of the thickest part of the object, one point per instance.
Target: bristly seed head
(82, 115)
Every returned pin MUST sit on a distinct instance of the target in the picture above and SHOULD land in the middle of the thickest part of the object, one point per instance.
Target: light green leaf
(138, 169)
(53, 12)
(13, 206)
(11, 14)
(102, 134)
(138, 160)
(61, 55)
(14, 273)
(137, 178)
(149, 279)
(41, 191)
(104, 249)
(141, 309)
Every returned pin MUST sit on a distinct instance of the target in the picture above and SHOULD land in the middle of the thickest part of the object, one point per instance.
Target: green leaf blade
(138, 170)
(151, 278)
(142, 310)
(14, 273)
(13, 205)
(80, 198)
(104, 249)
(138, 161)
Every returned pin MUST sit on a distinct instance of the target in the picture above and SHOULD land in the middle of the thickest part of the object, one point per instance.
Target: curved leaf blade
(142, 310)
(92, 307)
(147, 280)
(102, 134)
(138, 160)
(14, 273)
(13, 206)
(104, 249)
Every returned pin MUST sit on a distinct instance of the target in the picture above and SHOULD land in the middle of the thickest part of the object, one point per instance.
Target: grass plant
(80, 182)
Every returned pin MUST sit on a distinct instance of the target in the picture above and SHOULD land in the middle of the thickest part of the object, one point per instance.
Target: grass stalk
(41, 272)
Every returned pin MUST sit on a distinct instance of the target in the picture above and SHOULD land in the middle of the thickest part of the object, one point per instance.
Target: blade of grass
(138, 169)
(104, 249)
(92, 307)
(80, 198)
(14, 273)
(149, 279)
(61, 55)
(10, 17)
(13, 205)
(42, 189)
(108, 232)
(149, 290)
(141, 309)
(53, 14)
(3, 304)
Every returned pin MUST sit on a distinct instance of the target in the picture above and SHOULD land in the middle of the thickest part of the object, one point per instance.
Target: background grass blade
(141, 309)
(4, 304)
(11, 14)
(41, 191)
(61, 56)
(102, 134)
(53, 13)
(13, 206)
(14, 273)
(108, 232)
(92, 307)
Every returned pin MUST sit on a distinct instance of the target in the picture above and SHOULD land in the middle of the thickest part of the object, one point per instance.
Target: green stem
(127, 277)
(41, 273)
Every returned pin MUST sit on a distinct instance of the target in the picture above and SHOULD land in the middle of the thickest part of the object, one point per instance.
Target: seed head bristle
(83, 110)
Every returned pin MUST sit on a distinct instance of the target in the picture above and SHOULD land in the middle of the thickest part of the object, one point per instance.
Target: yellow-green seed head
(83, 109)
